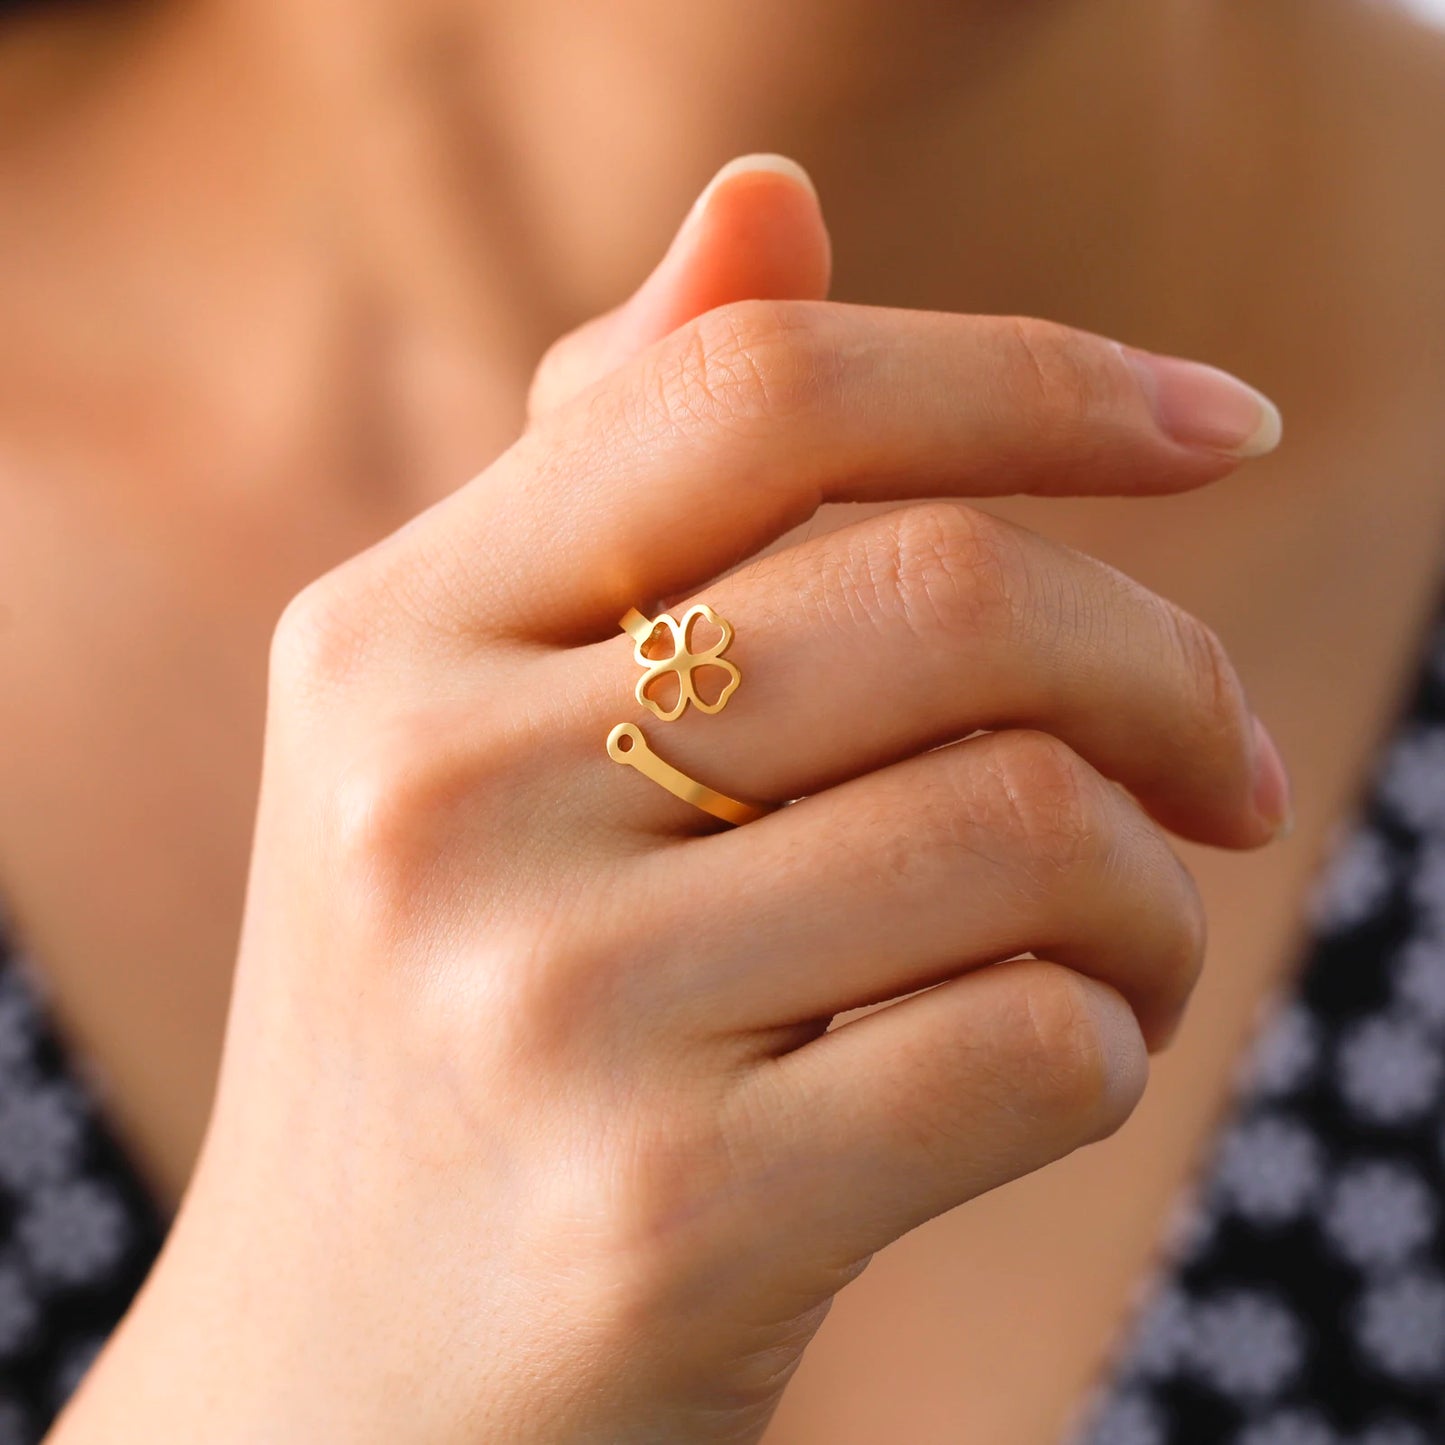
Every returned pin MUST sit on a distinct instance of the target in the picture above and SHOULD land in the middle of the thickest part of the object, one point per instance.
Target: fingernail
(763, 162)
(1272, 799)
(1202, 406)
(680, 247)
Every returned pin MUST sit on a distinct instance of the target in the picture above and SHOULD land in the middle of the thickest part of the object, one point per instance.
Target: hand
(531, 1126)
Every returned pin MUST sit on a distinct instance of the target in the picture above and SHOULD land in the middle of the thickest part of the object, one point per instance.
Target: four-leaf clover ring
(681, 664)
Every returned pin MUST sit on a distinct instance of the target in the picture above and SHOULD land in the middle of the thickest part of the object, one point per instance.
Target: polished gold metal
(683, 662)
(626, 745)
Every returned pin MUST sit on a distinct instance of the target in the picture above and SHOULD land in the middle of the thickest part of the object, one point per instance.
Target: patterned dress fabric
(1302, 1299)
(77, 1230)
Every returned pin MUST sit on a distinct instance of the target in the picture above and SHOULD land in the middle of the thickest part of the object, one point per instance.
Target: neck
(474, 176)
(968, 154)
(568, 139)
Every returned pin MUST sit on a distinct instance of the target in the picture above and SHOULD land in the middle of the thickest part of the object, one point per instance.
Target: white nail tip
(752, 164)
(1265, 437)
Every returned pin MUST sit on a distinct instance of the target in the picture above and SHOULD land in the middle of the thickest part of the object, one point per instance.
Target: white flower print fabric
(1301, 1299)
(77, 1231)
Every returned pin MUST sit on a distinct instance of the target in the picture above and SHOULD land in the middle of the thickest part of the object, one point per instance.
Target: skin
(239, 404)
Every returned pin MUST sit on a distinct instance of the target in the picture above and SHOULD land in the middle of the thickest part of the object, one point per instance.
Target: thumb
(755, 233)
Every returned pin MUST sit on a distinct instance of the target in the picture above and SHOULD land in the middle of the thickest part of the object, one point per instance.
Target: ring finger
(921, 626)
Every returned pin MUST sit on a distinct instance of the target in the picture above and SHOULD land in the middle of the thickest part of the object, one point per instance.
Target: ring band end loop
(627, 745)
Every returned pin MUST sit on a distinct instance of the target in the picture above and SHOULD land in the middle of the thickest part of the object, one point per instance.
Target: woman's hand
(531, 1127)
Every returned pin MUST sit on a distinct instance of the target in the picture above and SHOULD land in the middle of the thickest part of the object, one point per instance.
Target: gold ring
(681, 662)
(626, 745)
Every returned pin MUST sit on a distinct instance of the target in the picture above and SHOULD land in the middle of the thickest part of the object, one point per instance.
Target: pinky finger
(915, 1108)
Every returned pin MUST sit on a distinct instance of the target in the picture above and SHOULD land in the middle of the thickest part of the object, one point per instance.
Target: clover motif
(683, 662)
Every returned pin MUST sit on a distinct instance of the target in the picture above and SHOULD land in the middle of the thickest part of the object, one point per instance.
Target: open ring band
(626, 745)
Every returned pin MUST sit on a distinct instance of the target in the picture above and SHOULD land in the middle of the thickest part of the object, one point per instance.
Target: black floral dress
(1301, 1300)
(77, 1230)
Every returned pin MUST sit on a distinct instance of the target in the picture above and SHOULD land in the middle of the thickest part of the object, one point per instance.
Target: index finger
(739, 425)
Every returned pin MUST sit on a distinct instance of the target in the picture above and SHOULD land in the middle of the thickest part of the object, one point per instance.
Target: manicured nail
(756, 165)
(1202, 406)
(1272, 800)
(761, 163)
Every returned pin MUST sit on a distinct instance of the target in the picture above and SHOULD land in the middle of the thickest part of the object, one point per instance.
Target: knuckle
(543, 985)
(387, 808)
(1055, 371)
(1047, 796)
(742, 365)
(377, 805)
(373, 607)
(320, 637)
(945, 568)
